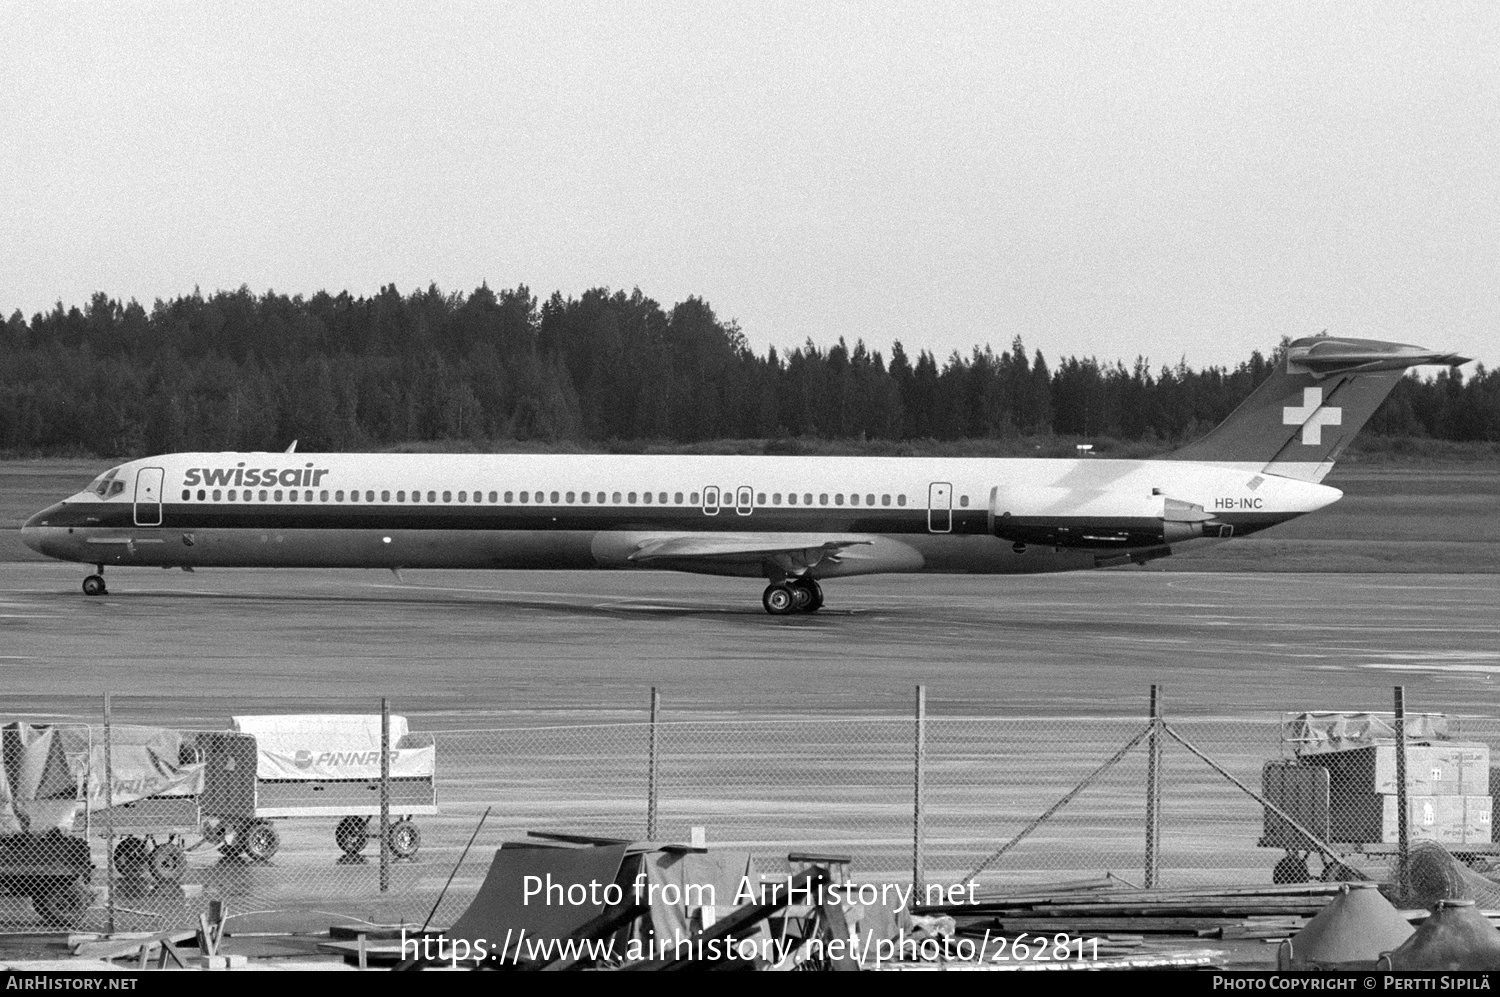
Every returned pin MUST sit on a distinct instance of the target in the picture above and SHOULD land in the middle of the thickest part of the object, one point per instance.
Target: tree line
(240, 371)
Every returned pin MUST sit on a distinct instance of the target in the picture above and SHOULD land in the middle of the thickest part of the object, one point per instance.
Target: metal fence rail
(767, 785)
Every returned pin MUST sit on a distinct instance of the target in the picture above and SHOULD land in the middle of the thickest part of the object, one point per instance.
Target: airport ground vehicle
(270, 768)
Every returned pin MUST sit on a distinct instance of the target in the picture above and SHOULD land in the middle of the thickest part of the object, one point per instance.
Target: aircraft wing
(789, 550)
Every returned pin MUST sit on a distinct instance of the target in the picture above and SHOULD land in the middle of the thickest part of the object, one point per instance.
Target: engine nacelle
(1102, 520)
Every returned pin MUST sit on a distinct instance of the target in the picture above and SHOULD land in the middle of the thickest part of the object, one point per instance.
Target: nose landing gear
(94, 584)
(793, 595)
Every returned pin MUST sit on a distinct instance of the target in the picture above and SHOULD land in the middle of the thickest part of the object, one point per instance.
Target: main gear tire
(779, 600)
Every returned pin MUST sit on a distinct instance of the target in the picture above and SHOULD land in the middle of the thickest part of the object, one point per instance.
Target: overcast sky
(1175, 180)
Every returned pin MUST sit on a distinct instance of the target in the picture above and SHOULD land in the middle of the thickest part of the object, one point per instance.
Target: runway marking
(1457, 668)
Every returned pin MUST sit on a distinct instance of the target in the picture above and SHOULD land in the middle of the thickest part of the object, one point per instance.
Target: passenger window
(570, 498)
(963, 500)
(885, 500)
(463, 496)
(200, 495)
(776, 499)
(447, 496)
(278, 494)
(385, 496)
(582, 495)
(869, 500)
(600, 498)
(807, 499)
(838, 499)
(416, 496)
(791, 498)
(646, 497)
(494, 496)
(234, 495)
(632, 498)
(400, 496)
(525, 496)
(761, 499)
(554, 498)
(677, 498)
(900, 499)
(369, 496)
(322, 496)
(338, 496)
(186, 495)
(291, 496)
(262, 494)
(823, 499)
(617, 498)
(663, 498)
(854, 499)
(693, 498)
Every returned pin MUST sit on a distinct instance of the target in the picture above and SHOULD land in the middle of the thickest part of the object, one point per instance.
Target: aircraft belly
(325, 548)
(986, 555)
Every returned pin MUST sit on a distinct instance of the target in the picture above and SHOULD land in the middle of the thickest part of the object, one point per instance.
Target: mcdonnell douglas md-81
(793, 521)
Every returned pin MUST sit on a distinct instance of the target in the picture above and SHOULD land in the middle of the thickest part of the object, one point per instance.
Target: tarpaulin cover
(1315, 733)
(334, 746)
(37, 790)
(691, 890)
(501, 910)
(144, 761)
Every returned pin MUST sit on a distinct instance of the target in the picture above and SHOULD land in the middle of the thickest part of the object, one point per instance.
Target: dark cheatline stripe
(206, 516)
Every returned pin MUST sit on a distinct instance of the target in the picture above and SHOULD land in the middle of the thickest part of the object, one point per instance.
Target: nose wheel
(94, 585)
(795, 595)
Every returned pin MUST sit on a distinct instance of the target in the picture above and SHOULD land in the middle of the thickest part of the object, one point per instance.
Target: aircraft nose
(33, 529)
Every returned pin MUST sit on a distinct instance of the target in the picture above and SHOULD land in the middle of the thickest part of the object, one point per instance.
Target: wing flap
(803, 550)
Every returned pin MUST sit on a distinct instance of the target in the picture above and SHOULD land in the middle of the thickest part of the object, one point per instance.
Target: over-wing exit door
(940, 507)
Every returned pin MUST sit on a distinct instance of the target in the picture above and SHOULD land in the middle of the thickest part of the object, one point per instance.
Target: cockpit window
(101, 485)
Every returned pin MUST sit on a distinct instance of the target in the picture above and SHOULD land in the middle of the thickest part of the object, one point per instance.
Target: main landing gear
(94, 584)
(794, 595)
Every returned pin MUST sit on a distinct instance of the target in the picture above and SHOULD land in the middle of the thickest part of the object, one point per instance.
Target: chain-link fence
(250, 820)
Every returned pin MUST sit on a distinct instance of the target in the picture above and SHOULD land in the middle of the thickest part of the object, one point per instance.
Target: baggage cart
(270, 768)
(1340, 785)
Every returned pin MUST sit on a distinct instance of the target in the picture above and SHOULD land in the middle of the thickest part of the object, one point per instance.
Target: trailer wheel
(260, 840)
(131, 859)
(1291, 869)
(168, 862)
(405, 838)
(351, 834)
(64, 901)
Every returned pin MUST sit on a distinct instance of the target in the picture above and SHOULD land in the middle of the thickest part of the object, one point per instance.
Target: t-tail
(1298, 422)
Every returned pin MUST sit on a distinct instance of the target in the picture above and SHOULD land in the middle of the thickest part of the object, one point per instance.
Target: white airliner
(791, 520)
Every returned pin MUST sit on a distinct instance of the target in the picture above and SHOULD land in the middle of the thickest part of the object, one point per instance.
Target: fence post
(918, 830)
(1401, 800)
(385, 794)
(1153, 790)
(652, 786)
(109, 819)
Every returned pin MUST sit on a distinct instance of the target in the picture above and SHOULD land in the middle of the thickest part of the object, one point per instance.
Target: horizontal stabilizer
(1327, 357)
(1298, 421)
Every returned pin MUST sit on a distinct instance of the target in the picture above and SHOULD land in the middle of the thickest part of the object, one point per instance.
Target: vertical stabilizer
(1298, 422)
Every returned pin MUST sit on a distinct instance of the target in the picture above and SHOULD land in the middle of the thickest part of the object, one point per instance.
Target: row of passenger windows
(727, 497)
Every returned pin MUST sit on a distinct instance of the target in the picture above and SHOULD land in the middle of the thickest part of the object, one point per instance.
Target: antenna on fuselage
(292, 448)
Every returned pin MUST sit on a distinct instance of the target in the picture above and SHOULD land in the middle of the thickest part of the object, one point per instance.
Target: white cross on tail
(1311, 416)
